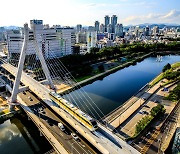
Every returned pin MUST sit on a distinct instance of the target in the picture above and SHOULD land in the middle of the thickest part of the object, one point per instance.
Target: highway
(50, 120)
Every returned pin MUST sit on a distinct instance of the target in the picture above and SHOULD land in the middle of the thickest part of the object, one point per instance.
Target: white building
(91, 40)
(54, 42)
(81, 37)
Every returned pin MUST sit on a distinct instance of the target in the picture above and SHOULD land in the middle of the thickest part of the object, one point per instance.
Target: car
(146, 106)
(75, 136)
(145, 112)
(144, 98)
(24, 92)
(61, 126)
(156, 101)
(30, 98)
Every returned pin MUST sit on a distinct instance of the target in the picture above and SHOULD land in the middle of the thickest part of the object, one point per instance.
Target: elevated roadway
(104, 141)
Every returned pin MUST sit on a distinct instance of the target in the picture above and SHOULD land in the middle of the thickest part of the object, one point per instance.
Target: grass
(160, 76)
(157, 79)
(175, 65)
(83, 78)
(5, 111)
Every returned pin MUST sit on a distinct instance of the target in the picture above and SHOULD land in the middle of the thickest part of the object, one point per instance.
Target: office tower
(155, 30)
(78, 27)
(113, 22)
(91, 28)
(102, 28)
(97, 26)
(107, 22)
(54, 42)
(136, 31)
(119, 30)
(109, 28)
(147, 31)
(81, 37)
(91, 40)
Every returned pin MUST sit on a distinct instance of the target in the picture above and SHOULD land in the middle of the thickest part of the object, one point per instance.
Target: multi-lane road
(50, 120)
(103, 142)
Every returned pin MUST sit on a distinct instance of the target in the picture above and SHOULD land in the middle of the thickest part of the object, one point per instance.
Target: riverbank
(90, 79)
(5, 112)
(112, 70)
(138, 99)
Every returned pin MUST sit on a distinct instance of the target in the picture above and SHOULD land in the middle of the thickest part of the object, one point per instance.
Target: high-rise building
(97, 26)
(113, 22)
(54, 42)
(119, 30)
(106, 22)
(81, 37)
(78, 27)
(91, 28)
(147, 31)
(102, 28)
(136, 31)
(91, 40)
(155, 30)
(109, 28)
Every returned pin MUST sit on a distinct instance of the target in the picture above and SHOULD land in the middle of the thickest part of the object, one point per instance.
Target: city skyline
(71, 13)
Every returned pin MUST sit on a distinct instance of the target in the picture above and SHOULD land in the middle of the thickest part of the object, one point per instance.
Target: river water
(20, 136)
(114, 89)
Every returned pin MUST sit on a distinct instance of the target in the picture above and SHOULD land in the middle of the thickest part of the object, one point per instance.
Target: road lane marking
(81, 147)
(75, 149)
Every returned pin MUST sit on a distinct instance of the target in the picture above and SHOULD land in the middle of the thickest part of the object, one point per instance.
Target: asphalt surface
(153, 139)
(50, 120)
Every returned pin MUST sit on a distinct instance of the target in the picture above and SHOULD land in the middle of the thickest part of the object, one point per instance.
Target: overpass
(102, 139)
(104, 142)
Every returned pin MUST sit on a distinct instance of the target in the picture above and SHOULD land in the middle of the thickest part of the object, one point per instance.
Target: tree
(101, 68)
(94, 50)
(76, 49)
(157, 109)
(166, 67)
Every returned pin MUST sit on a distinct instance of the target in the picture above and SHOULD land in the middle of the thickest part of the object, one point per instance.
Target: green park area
(169, 72)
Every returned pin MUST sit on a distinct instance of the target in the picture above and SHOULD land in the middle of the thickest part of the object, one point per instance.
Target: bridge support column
(20, 65)
(43, 63)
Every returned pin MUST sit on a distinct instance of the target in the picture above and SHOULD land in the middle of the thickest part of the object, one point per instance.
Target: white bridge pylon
(15, 90)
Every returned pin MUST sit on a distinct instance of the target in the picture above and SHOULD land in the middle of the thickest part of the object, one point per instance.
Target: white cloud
(171, 16)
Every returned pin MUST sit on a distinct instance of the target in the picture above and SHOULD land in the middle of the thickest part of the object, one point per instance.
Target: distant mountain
(10, 27)
(159, 25)
(153, 24)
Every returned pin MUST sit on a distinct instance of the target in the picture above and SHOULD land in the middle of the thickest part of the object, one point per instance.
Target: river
(113, 90)
(20, 136)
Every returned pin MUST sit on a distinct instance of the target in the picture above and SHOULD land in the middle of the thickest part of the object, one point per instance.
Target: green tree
(166, 67)
(101, 68)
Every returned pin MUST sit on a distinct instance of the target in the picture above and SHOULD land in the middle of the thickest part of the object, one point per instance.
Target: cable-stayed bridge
(46, 78)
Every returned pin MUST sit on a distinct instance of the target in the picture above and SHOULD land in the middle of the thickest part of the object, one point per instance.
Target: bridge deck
(50, 121)
(102, 143)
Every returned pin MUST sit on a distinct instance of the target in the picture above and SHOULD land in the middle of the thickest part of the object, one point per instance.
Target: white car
(74, 136)
(61, 126)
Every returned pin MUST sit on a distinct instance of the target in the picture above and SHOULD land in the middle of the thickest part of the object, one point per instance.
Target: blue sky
(85, 12)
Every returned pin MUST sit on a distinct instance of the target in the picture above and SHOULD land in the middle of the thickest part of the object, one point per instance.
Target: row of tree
(156, 111)
(75, 62)
(175, 94)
